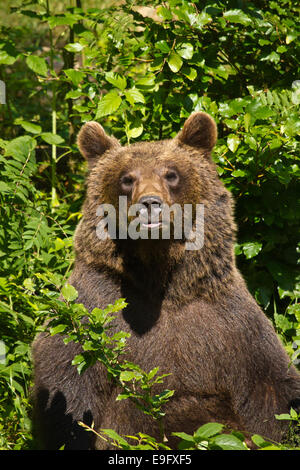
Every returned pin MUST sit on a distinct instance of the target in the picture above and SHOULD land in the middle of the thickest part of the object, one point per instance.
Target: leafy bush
(141, 68)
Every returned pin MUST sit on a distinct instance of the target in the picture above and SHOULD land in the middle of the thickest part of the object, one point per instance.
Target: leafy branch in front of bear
(141, 441)
(292, 435)
(94, 332)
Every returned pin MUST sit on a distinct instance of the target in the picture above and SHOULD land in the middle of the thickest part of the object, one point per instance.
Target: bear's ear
(200, 131)
(93, 142)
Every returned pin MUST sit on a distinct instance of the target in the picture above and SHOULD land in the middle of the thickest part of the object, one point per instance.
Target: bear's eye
(172, 177)
(127, 182)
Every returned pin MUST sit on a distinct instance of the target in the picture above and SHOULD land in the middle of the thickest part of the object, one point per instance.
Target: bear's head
(152, 176)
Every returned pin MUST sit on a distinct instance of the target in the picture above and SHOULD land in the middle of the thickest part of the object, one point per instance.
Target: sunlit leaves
(134, 96)
(68, 19)
(233, 142)
(29, 126)
(74, 47)
(8, 53)
(69, 293)
(75, 76)
(37, 64)
(109, 104)
(20, 148)
(52, 139)
(185, 50)
(116, 79)
(237, 16)
(210, 437)
(175, 62)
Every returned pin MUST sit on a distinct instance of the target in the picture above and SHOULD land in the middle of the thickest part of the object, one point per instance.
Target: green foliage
(99, 343)
(35, 256)
(141, 72)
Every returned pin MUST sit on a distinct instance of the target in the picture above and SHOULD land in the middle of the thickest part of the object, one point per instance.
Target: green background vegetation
(140, 68)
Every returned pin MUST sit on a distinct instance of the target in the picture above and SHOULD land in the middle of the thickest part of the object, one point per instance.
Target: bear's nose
(151, 211)
(149, 201)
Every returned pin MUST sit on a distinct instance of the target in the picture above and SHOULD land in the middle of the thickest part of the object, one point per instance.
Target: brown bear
(189, 311)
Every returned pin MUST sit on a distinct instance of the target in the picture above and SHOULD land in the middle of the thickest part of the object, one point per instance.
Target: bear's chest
(188, 343)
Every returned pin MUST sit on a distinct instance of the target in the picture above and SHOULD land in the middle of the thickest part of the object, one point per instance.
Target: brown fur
(189, 312)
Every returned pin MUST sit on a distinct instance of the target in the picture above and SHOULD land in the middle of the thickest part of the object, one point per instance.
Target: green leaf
(152, 373)
(4, 188)
(74, 47)
(116, 80)
(58, 329)
(208, 430)
(229, 442)
(135, 132)
(134, 129)
(189, 72)
(165, 395)
(78, 359)
(127, 375)
(59, 20)
(123, 396)
(134, 96)
(233, 142)
(184, 436)
(29, 285)
(115, 436)
(201, 20)
(238, 173)
(73, 94)
(29, 126)
(175, 62)
(283, 417)
(294, 310)
(294, 414)
(109, 104)
(272, 57)
(237, 16)
(146, 83)
(75, 76)
(259, 441)
(282, 322)
(258, 110)
(52, 139)
(251, 249)
(250, 140)
(163, 46)
(6, 59)
(185, 50)
(20, 147)
(238, 249)
(164, 12)
(69, 292)
(291, 37)
(58, 244)
(37, 64)
(292, 126)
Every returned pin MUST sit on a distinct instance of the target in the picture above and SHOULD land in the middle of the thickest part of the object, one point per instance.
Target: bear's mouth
(150, 219)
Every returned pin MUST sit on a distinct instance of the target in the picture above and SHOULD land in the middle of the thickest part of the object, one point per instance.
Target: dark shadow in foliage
(68, 432)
